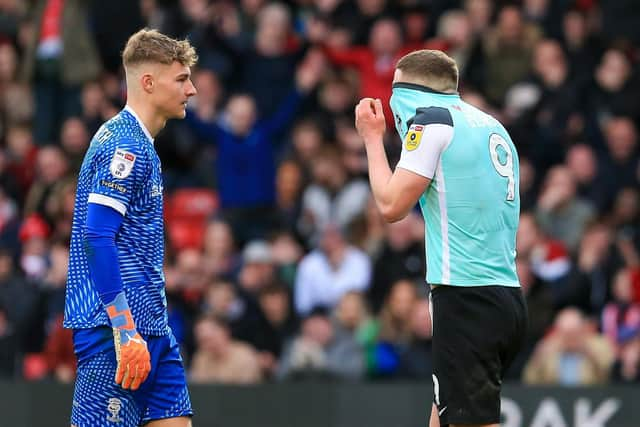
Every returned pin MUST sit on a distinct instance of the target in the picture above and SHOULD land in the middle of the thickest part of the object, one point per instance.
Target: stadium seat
(186, 214)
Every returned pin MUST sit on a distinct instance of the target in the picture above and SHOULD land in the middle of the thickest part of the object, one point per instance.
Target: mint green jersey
(472, 205)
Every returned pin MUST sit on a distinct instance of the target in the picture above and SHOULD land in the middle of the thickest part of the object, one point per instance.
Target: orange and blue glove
(132, 355)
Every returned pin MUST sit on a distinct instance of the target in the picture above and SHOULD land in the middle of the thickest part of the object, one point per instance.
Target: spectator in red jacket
(375, 62)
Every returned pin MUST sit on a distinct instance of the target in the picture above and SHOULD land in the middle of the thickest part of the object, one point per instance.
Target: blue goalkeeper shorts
(99, 402)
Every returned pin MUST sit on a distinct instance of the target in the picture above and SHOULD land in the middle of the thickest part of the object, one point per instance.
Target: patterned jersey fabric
(121, 170)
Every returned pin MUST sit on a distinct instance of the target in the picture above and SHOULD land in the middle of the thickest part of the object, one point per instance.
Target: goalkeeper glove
(132, 355)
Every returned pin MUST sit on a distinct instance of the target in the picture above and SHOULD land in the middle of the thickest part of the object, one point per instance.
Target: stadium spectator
(547, 257)
(246, 149)
(455, 36)
(268, 65)
(289, 185)
(583, 48)
(59, 58)
(626, 369)
(74, 140)
(416, 23)
(95, 107)
(507, 51)
(287, 253)
(610, 94)
(307, 140)
(11, 14)
(354, 157)
(572, 354)
(317, 352)
(374, 62)
(221, 301)
(402, 257)
(327, 273)
(19, 302)
(621, 317)
(621, 138)
(278, 325)
(219, 358)
(8, 64)
(21, 157)
(560, 212)
(206, 103)
(394, 329)
(220, 252)
(51, 170)
(415, 358)
(480, 13)
(331, 197)
(593, 181)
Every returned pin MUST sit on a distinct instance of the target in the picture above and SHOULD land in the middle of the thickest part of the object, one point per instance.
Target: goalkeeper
(129, 367)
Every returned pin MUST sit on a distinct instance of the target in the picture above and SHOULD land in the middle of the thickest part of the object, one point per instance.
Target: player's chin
(180, 113)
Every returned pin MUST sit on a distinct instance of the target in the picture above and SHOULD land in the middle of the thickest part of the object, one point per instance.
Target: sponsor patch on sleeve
(122, 163)
(414, 136)
(112, 185)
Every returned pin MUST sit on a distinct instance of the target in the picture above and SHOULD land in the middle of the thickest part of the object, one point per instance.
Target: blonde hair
(433, 68)
(152, 46)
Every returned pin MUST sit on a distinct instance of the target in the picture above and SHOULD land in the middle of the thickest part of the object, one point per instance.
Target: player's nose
(191, 89)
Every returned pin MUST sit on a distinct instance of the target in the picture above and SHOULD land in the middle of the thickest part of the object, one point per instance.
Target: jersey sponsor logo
(414, 136)
(122, 163)
(119, 188)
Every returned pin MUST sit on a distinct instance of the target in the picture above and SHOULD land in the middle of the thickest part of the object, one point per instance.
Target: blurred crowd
(278, 265)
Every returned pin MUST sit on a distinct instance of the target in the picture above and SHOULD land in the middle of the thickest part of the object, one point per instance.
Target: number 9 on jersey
(505, 168)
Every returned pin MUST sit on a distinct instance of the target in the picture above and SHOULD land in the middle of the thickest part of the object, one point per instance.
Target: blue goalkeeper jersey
(121, 169)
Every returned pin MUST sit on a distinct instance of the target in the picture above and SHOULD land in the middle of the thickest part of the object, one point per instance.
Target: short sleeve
(121, 167)
(430, 132)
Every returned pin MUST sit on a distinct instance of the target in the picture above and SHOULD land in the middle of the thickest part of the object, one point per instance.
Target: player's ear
(147, 83)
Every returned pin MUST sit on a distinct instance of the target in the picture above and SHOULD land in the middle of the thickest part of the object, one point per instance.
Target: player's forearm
(102, 254)
(102, 257)
(100, 233)
(379, 176)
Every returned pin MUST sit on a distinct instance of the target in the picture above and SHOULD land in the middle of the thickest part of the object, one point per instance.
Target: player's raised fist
(370, 121)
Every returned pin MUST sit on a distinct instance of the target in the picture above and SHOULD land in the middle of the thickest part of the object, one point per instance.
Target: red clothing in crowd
(376, 74)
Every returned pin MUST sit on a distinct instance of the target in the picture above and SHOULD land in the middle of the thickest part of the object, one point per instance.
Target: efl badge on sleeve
(122, 163)
(414, 136)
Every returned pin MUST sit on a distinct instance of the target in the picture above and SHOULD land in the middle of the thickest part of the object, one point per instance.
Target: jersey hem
(476, 284)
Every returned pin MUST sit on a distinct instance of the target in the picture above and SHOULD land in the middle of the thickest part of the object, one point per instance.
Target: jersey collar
(421, 88)
(142, 126)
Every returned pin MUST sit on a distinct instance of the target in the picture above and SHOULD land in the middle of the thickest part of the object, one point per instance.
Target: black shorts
(477, 332)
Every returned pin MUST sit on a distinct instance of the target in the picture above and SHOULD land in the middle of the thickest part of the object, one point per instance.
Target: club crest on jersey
(414, 136)
(122, 163)
(114, 405)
